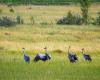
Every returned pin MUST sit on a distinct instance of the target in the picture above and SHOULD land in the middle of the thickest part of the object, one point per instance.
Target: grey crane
(43, 57)
(72, 56)
(26, 57)
(86, 56)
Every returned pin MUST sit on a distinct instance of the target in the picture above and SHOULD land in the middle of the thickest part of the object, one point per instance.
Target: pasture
(57, 38)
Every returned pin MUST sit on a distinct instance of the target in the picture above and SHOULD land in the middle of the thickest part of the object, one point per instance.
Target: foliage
(11, 10)
(99, 13)
(71, 19)
(41, 2)
(85, 4)
(19, 20)
(5, 21)
(97, 21)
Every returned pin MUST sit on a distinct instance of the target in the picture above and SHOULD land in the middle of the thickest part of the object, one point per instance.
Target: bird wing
(41, 55)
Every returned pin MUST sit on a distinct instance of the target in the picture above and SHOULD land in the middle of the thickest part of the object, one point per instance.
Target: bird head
(45, 48)
(82, 49)
(23, 49)
(69, 47)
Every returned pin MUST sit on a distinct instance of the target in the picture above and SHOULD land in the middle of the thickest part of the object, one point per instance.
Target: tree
(85, 4)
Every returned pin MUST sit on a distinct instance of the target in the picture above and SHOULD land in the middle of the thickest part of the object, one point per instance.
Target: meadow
(57, 38)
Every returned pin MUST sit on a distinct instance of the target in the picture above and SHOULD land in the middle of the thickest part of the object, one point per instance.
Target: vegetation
(57, 38)
(97, 21)
(71, 19)
(5, 21)
(11, 10)
(19, 20)
(35, 38)
(84, 8)
(42, 2)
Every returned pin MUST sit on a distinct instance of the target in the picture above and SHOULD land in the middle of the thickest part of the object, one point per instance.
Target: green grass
(57, 38)
(13, 67)
(58, 68)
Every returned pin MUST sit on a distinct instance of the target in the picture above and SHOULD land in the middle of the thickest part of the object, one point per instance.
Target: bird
(26, 57)
(43, 57)
(86, 56)
(72, 57)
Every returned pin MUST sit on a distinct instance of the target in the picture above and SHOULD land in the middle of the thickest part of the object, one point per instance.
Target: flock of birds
(44, 57)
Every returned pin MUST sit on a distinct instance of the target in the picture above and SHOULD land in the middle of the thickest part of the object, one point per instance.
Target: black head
(45, 48)
(82, 48)
(23, 48)
(69, 47)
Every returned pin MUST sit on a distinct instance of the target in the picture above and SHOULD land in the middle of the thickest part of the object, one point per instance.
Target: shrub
(99, 13)
(9, 5)
(5, 21)
(11, 10)
(19, 20)
(70, 19)
(97, 21)
(22, 21)
(77, 19)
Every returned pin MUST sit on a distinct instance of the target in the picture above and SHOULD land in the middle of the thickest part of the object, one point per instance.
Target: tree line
(42, 2)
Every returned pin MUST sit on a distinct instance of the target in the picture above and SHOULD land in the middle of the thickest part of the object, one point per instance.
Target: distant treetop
(41, 2)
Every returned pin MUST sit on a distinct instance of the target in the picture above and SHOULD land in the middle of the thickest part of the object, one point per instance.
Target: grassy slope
(56, 37)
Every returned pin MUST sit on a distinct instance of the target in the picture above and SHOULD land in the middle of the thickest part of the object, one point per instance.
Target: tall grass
(58, 68)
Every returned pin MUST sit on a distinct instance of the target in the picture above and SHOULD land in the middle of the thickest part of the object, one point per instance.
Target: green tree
(85, 4)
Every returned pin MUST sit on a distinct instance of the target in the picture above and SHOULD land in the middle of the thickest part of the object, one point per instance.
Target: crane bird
(26, 57)
(72, 57)
(43, 57)
(86, 56)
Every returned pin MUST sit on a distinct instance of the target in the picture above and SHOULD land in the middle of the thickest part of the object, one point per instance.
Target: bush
(77, 19)
(97, 21)
(70, 19)
(19, 20)
(5, 21)
(11, 10)
(99, 13)
(9, 4)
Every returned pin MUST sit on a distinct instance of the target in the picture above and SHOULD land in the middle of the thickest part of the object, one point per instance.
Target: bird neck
(24, 52)
(46, 51)
(82, 52)
(68, 50)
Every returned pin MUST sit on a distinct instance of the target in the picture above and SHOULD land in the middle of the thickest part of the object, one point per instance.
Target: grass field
(56, 37)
